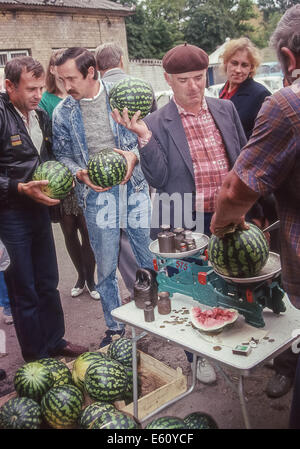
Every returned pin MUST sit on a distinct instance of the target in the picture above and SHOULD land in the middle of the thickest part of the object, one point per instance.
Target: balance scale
(191, 274)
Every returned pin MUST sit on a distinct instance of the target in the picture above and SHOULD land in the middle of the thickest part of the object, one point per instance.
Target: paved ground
(85, 325)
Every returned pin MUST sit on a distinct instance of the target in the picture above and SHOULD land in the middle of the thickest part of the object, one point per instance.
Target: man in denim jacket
(82, 126)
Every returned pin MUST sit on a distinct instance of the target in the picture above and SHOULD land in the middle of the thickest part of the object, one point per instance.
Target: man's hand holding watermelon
(33, 189)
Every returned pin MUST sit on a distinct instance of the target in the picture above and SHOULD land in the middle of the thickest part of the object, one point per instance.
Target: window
(8, 55)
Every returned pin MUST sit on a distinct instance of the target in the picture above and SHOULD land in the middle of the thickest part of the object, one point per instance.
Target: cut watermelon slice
(212, 320)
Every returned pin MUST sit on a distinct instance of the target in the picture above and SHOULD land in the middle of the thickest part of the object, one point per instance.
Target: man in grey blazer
(186, 149)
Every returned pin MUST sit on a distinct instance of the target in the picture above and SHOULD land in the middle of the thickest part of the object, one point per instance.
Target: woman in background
(240, 61)
(70, 215)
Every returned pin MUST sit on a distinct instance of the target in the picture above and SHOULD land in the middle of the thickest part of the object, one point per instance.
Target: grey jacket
(166, 160)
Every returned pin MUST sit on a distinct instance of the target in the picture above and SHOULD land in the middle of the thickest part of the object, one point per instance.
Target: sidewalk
(85, 325)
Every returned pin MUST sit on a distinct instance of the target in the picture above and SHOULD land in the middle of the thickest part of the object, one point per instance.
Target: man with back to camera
(82, 126)
(110, 64)
(25, 227)
(187, 147)
(270, 162)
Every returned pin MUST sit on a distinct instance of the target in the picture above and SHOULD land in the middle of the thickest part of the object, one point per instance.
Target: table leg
(240, 392)
(243, 403)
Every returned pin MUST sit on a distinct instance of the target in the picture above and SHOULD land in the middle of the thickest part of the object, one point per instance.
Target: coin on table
(217, 348)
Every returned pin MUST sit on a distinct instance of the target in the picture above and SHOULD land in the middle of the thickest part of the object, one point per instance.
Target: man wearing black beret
(186, 149)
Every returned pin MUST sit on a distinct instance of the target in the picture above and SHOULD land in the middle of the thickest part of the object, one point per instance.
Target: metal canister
(145, 288)
(149, 312)
(191, 244)
(188, 234)
(165, 228)
(183, 247)
(179, 237)
(166, 242)
(164, 303)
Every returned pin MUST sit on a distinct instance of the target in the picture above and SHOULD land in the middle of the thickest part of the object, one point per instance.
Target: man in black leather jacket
(25, 227)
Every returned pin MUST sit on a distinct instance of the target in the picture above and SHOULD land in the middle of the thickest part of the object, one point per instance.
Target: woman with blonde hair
(240, 61)
(70, 215)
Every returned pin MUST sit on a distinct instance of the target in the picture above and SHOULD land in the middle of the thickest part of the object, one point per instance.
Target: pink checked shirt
(210, 161)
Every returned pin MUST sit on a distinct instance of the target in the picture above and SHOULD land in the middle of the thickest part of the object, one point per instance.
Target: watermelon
(121, 350)
(133, 94)
(93, 411)
(212, 319)
(115, 420)
(107, 168)
(199, 420)
(59, 176)
(33, 380)
(106, 380)
(240, 254)
(167, 422)
(20, 413)
(60, 372)
(61, 406)
(81, 364)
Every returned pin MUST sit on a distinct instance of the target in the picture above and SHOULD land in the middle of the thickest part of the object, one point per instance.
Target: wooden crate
(159, 384)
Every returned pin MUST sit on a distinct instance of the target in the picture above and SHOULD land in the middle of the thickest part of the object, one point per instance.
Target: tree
(269, 7)
(209, 22)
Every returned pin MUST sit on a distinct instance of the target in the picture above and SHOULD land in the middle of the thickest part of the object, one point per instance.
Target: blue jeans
(105, 213)
(4, 299)
(32, 279)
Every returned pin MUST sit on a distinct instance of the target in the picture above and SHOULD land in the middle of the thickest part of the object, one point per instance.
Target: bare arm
(234, 200)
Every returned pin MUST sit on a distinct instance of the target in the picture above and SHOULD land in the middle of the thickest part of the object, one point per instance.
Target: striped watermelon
(240, 254)
(33, 380)
(20, 413)
(59, 176)
(61, 406)
(81, 364)
(107, 168)
(115, 420)
(133, 94)
(199, 420)
(121, 350)
(167, 422)
(106, 380)
(60, 372)
(93, 411)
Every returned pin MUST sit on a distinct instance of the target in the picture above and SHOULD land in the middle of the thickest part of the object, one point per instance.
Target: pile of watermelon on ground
(49, 394)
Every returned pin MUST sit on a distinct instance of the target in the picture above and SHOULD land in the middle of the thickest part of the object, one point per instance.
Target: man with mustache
(83, 126)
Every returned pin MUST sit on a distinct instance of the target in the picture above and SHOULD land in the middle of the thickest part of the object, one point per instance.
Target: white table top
(278, 333)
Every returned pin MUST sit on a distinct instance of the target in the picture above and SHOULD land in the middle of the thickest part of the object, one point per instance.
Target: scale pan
(272, 267)
(201, 243)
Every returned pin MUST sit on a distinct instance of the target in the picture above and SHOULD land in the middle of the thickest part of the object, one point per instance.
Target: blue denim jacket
(70, 147)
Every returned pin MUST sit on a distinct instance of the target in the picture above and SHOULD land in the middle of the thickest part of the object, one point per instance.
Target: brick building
(36, 27)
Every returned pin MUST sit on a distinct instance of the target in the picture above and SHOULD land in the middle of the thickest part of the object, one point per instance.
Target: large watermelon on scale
(106, 380)
(107, 168)
(59, 176)
(61, 406)
(133, 94)
(20, 413)
(33, 380)
(239, 254)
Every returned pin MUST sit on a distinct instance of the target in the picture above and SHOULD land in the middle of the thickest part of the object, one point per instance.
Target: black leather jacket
(18, 155)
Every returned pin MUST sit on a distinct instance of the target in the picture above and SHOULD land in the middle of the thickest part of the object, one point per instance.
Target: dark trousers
(286, 363)
(32, 280)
